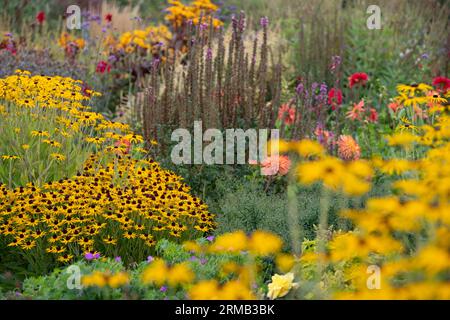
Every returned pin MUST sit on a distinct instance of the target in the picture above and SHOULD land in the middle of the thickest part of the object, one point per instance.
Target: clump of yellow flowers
(404, 235)
(179, 14)
(105, 279)
(112, 203)
(152, 39)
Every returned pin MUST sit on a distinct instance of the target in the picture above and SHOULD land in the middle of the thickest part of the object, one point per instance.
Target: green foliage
(54, 286)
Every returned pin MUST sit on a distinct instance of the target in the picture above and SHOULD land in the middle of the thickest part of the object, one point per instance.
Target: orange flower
(274, 164)
(348, 148)
(394, 106)
(357, 110)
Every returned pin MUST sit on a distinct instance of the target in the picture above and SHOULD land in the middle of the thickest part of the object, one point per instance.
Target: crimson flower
(108, 17)
(334, 98)
(40, 17)
(358, 78)
(373, 116)
(103, 67)
(441, 83)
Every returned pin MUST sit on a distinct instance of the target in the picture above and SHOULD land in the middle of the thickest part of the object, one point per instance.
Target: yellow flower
(263, 243)
(281, 285)
(8, 157)
(308, 148)
(119, 279)
(156, 273)
(180, 274)
(40, 133)
(285, 262)
(25, 146)
(236, 290)
(404, 139)
(95, 279)
(204, 290)
(58, 156)
(230, 242)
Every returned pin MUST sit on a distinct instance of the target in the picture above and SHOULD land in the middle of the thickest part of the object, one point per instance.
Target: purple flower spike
(150, 259)
(264, 22)
(118, 259)
(163, 289)
(97, 256)
(210, 238)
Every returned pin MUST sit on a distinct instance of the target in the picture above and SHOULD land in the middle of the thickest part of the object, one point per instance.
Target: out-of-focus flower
(264, 22)
(108, 17)
(357, 110)
(103, 67)
(281, 285)
(358, 78)
(40, 17)
(334, 98)
(325, 137)
(373, 116)
(274, 164)
(442, 84)
(394, 106)
(286, 114)
(348, 148)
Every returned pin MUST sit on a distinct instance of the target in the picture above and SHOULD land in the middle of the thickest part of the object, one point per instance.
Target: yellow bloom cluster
(259, 243)
(179, 13)
(213, 290)
(417, 101)
(159, 273)
(66, 40)
(410, 230)
(116, 205)
(103, 279)
(152, 39)
(45, 121)
(104, 208)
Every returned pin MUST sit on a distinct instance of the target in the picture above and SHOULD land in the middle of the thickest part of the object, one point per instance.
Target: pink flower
(286, 114)
(40, 17)
(275, 164)
(356, 111)
(103, 66)
(360, 78)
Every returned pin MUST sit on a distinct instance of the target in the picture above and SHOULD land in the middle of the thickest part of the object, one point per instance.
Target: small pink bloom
(286, 114)
(275, 164)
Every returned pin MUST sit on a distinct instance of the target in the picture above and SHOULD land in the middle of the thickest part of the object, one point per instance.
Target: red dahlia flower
(441, 83)
(358, 78)
(334, 98)
(373, 116)
(40, 17)
(103, 66)
(108, 17)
